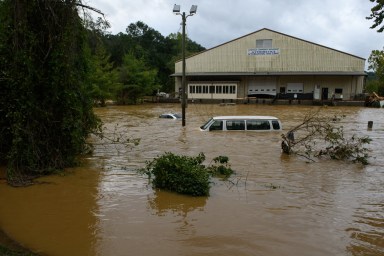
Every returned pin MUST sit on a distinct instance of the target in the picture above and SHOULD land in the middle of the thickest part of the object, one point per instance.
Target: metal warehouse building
(269, 64)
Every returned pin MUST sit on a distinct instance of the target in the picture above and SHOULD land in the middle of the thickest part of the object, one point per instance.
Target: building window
(213, 90)
(338, 91)
(264, 43)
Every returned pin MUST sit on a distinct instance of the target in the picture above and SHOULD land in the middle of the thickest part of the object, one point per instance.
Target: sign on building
(262, 51)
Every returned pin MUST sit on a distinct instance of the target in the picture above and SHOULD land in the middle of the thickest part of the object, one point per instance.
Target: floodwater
(274, 205)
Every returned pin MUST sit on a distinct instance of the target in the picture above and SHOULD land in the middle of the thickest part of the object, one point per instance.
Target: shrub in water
(182, 174)
(221, 167)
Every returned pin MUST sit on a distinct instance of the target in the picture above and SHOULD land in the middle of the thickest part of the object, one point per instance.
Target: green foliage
(52, 70)
(148, 45)
(340, 148)
(103, 77)
(377, 15)
(182, 174)
(45, 107)
(373, 85)
(376, 63)
(221, 167)
(320, 135)
(185, 174)
(136, 80)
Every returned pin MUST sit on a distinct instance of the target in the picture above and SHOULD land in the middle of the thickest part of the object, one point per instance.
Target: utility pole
(176, 10)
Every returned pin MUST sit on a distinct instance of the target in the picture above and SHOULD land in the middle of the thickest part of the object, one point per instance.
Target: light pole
(176, 10)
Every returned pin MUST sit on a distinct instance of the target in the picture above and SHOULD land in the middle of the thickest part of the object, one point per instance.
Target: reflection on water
(54, 217)
(163, 202)
(274, 204)
(181, 207)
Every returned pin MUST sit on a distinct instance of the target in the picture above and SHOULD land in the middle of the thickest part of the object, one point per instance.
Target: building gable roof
(292, 55)
(273, 31)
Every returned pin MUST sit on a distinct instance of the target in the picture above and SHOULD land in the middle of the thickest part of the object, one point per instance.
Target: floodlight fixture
(193, 9)
(176, 8)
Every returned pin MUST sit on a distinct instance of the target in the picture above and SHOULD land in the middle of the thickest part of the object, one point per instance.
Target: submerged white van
(242, 123)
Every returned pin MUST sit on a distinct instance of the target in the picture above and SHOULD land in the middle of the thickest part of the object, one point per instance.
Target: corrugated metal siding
(295, 55)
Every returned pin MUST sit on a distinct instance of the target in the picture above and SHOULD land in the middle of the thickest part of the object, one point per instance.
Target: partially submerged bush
(320, 135)
(221, 167)
(185, 174)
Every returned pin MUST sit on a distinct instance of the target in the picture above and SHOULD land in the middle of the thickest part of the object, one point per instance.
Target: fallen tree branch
(319, 135)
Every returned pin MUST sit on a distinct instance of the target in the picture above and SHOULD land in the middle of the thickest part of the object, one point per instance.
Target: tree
(116, 46)
(45, 108)
(174, 43)
(376, 59)
(372, 84)
(150, 46)
(376, 64)
(155, 50)
(103, 78)
(319, 135)
(146, 42)
(136, 79)
(377, 15)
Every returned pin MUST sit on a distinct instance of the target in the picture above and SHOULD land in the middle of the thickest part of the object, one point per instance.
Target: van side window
(216, 126)
(258, 125)
(276, 125)
(235, 125)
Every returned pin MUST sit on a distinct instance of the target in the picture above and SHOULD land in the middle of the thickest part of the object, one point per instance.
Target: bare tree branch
(90, 8)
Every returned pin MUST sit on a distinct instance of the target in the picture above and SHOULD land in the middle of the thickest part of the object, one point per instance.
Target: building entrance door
(324, 94)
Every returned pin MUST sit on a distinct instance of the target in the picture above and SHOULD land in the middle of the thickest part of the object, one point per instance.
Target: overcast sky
(339, 24)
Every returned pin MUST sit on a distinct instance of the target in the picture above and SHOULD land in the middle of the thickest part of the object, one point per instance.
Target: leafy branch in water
(220, 167)
(114, 137)
(319, 135)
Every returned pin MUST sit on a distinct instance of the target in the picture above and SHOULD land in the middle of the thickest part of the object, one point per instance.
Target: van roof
(245, 117)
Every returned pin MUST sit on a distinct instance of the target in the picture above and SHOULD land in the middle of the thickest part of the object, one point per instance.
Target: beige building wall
(297, 61)
(351, 85)
(295, 55)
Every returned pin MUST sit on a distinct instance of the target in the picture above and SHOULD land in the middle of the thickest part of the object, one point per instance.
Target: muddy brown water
(276, 204)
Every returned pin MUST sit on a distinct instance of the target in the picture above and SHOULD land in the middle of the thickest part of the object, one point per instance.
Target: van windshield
(206, 125)
(216, 125)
